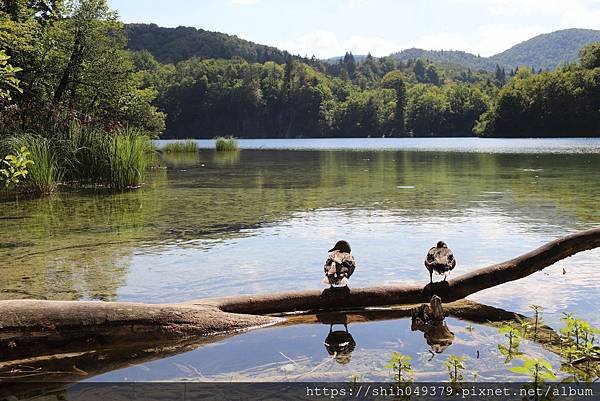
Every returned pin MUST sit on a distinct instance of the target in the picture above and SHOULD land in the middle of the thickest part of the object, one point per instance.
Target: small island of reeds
(185, 146)
(224, 144)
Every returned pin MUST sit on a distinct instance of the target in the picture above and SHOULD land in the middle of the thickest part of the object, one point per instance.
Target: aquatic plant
(537, 309)
(226, 144)
(127, 160)
(118, 160)
(45, 173)
(16, 167)
(401, 366)
(539, 370)
(579, 349)
(512, 333)
(186, 146)
(456, 367)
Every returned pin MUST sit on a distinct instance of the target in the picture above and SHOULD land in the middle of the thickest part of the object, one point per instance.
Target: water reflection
(339, 343)
(211, 225)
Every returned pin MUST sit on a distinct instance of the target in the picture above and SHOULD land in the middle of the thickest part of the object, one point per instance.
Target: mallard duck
(440, 260)
(339, 266)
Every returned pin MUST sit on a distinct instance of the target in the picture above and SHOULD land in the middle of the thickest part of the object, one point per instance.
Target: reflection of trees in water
(75, 244)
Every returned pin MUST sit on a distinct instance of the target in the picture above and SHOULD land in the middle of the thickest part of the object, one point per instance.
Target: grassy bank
(186, 146)
(83, 156)
(226, 144)
(45, 172)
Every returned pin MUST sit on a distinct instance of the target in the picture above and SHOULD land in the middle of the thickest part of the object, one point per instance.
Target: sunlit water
(257, 221)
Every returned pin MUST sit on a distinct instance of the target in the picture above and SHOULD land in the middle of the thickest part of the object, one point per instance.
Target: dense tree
(565, 102)
(395, 80)
(75, 66)
(590, 56)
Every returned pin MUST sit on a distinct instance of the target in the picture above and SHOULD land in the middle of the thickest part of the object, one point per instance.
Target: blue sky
(330, 27)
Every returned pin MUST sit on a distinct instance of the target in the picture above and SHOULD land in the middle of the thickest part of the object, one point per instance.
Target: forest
(69, 61)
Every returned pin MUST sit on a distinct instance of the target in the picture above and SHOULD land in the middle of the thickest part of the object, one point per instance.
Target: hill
(170, 45)
(455, 57)
(548, 51)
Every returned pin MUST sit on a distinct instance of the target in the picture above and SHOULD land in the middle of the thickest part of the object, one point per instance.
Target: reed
(45, 173)
(224, 144)
(186, 146)
(128, 159)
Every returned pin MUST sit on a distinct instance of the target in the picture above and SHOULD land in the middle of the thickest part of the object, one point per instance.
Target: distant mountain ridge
(168, 45)
(546, 51)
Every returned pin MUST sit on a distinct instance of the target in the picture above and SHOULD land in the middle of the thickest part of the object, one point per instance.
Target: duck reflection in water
(429, 319)
(339, 343)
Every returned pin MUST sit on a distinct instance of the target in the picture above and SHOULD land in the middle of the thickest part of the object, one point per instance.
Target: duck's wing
(348, 265)
(451, 259)
(333, 259)
(430, 258)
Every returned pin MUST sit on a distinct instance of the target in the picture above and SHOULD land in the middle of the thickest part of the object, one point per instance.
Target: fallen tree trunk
(69, 363)
(30, 328)
(452, 290)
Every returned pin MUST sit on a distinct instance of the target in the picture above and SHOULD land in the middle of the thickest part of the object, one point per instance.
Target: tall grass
(128, 159)
(226, 144)
(187, 146)
(118, 159)
(45, 173)
(85, 155)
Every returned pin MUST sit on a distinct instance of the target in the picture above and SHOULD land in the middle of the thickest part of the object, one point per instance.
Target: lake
(262, 219)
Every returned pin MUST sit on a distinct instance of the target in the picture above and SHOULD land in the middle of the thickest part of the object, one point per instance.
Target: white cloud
(502, 31)
(245, 2)
(325, 44)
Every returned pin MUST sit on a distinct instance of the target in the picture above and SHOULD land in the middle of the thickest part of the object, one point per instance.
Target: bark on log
(29, 327)
(34, 327)
(452, 290)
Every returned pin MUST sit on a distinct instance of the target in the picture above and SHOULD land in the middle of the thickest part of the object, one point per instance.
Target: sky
(328, 28)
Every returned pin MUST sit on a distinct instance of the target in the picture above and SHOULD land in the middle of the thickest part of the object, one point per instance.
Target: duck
(339, 266)
(440, 260)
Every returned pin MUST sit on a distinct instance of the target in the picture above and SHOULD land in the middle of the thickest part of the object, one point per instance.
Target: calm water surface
(262, 220)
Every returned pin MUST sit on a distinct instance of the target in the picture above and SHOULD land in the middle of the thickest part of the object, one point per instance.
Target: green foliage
(580, 349)
(401, 366)
(226, 144)
(75, 66)
(537, 309)
(456, 367)
(8, 79)
(127, 159)
(169, 45)
(590, 56)
(118, 160)
(45, 173)
(16, 167)
(539, 370)
(548, 51)
(559, 103)
(513, 334)
(187, 146)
